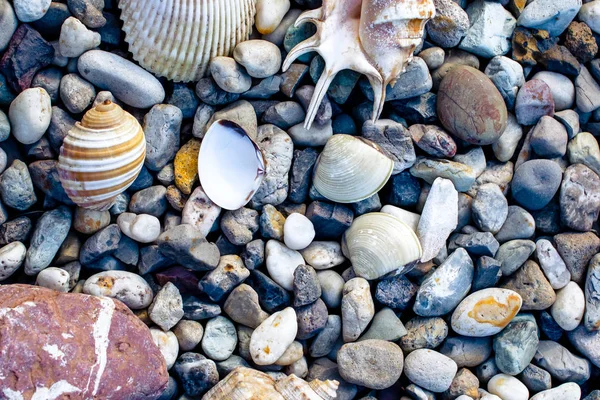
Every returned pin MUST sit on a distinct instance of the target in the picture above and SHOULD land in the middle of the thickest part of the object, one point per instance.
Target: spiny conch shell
(244, 384)
(294, 388)
(373, 37)
(231, 166)
(350, 169)
(101, 156)
(178, 38)
(379, 243)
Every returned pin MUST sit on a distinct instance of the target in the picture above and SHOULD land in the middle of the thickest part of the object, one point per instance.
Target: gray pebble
(323, 343)
(487, 273)
(357, 308)
(265, 88)
(385, 326)
(161, 129)
(489, 208)
(576, 250)
(535, 378)
(220, 281)
(189, 334)
(549, 138)
(50, 80)
(186, 244)
(535, 183)
(9, 22)
(76, 93)
(433, 140)
(88, 11)
(461, 175)
(467, 351)
(196, 373)
(479, 243)
(301, 174)
(316, 135)
(587, 91)
(394, 140)
(552, 264)
(430, 370)
(586, 343)
(220, 338)
(284, 114)
(513, 254)
(15, 230)
(151, 201)
(570, 120)
(491, 29)
(487, 370)
(307, 288)
(423, 333)
(449, 25)
(43, 247)
(167, 307)
(507, 144)
(561, 87)
(229, 75)
(561, 363)
(433, 57)
(507, 76)
(260, 57)
(185, 99)
(254, 254)
(196, 309)
(203, 114)
(240, 225)
(324, 112)
(519, 224)
(16, 187)
(103, 243)
(516, 345)
(311, 319)
(210, 93)
(332, 286)
(243, 307)
(579, 198)
(592, 300)
(396, 292)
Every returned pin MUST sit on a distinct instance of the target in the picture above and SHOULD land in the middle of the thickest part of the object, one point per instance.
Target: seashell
(351, 169)
(231, 166)
(379, 243)
(244, 384)
(294, 388)
(101, 156)
(373, 37)
(326, 389)
(178, 38)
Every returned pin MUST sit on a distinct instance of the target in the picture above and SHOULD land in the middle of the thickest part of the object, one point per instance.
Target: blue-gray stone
(326, 339)
(311, 319)
(170, 391)
(487, 273)
(196, 373)
(486, 370)
(295, 35)
(210, 93)
(512, 255)
(186, 245)
(103, 243)
(342, 85)
(161, 128)
(417, 110)
(415, 80)
(478, 243)
(152, 260)
(344, 124)
(185, 99)
(128, 251)
(301, 174)
(16, 187)
(271, 296)
(394, 140)
(107, 263)
(152, 200)
(370, 204)
(549, 327)
(516, 345)
(329, 220)
(44, 176)
(50, 232)
(535, 183)
(519, 224)
(405, 190)
(535, 378)
(253, 254)
(396, 292)
(226, 366)
(197, 309)
(561, 363)
(442, 290)
(15, 230)
(467, 351)
(220, 338)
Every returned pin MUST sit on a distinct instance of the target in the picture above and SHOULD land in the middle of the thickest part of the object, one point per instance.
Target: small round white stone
(298, 231)
(273, 336)
(143, 228)
(11, 257)
(75, 38)
(281, 263)
(126, 286)
(31, 10)
(566, 391)
(590, 14)
(430, 370)
(508, 387)
(30, 115)
(569, 306)
(269, 14)
(54, 278)
(167, 344)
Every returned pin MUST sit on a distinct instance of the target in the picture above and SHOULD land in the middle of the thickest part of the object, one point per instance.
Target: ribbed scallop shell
(101, 156)
(379, 243)
(177, 38)
(350, 169)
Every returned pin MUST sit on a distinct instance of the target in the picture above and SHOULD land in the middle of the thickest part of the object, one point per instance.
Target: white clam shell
(101, 156)
(379, 243)
(177, 38)
(231, 166)
(351, 169)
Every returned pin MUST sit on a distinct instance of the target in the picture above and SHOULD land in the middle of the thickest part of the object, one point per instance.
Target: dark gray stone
(549, 327)
(535, 182)
(16, 187)
(535, 378)
(185, 99)
(284, 114)
(50, 231)
(396, 292)
(478, 244)
(307, 288)
(271, 296)
(254, 254)
(561, 363)
(301, 174)
(311, 319)
(325, 340)
(324, 112)
(394, 140)
(197, 309)
(44, 176)
(103, 243)
(186, 245)
(210, 93)
(330, 220)
(467, 351)
(15, 230)
(487, 273)
(370, 204)
(161, 128)
(196, 373)
(151, 201)
(519, 224)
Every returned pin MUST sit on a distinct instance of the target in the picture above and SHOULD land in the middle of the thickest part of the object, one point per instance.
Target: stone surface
(357, 308)
(282, 262)
(579, 197)
(533, 287)
(430, 370)
(549, 16)
(576, 250)
(569, 306)
(467, 351)
(423, 333)
(507, 76)
(243, 307)
(186, 245)
(43, 247)
(507, 387)
(516, 345)
(561, 363)
(273, 336)
(535, 182)
(161, 129)
(449, 25)
(552, 264)
(534, 100)
(394, 140)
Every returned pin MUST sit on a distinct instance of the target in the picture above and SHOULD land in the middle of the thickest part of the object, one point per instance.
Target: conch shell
(379, 243)
(249, 384)
(101, 156)
(178, 38)
(376, 38)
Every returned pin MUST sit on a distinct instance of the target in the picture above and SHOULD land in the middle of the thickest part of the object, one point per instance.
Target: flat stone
(376, 364)
(579, 197)
(586, 342)
(513, 254)
(240, 225)
(415, 80)
(467, 351)
(461, 175)
(449, 25)
(394, 140)
(273, 336)
(507, 76)
(561, 363)
(552, 264)
(433, 140)
(220, 338)
(186, 244)
(311, 319)
(507, 387)
(519, 224)
(549, 16)
(535, 378)
(162, 125)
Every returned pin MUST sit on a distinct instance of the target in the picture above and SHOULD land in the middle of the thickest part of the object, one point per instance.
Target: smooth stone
(549, 138)
(592, 301)
(566, 391)
(394, 140)
(467, 351)
(489, 208)
(561, 87)
(569, 307)
(240, 225)
(357, 307)
(588, 13)
(415, 80)
(8, 20)
(461, 175)
(535, 182)
(433, 140)
(260, 57)
(220, 338)
(486, 371)
(534, 100)
(11, 258)
(330, 220)
(552, 264)
(570, 120)
(229, 75)
(576, 250)
(478, 243)
(271, 223)
(254, 254)
(292, 354)
(311, 318)
(464, 385)
(242, 306)
(125, 286)
(185, 99)
(298, 231)
(166, 342)
(43, 247)
(189, 334)
(200, 212)
(507, 75)
(316, 135)
(487, 273)
(583, 148)
(423, 333)
(161, 129)
(506, 145)
(186, 245)
(433, 56)
(430, 370)
(385, 326)
(508, 387)
(196, 309)
(332, 286)
(196, 373)
(30, 115)
(53, 278)
(167, 307)
(272, 296)
(486, 312)
(326, 339)
(323, 254)
(75, 39)
(287, 114)
(16, 187)
(405, 190)
(449, 25)
(269, 14)
(282, 262)
(516, 345)
(535, 378)
(586, 342)
(579, 198)
(513, 254)
(561, 363)
(142, 228)
(273, 336)
(549, 16)
(519, 224)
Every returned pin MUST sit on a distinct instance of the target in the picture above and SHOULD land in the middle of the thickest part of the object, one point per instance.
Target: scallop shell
(101, 156)
(379, 243)
(351, 169)
(244, 384)
(231, 166)
(178, 38)
(326, 389)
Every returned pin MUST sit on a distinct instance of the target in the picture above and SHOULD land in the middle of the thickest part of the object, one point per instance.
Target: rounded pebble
(298, 231)
(569, 306)
(508, 387)
(260, 58)
(31, 10)
(53, 278)
(128, 287)
(30, 115)
(430, 370)
(142, 228)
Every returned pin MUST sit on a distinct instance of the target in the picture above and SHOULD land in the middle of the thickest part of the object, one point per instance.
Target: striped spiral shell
(101, 156)
(178, 38)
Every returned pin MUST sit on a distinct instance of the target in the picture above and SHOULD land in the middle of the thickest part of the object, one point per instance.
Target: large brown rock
(470, 106)
(65, 345)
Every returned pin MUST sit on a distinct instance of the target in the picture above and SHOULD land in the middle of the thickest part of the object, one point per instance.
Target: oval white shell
(177, 38)
(351, 169)
(231, 166)
(101, 156)
(379, 243)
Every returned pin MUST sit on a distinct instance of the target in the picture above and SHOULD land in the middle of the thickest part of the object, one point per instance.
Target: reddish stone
(581, 42)
(27, 53)
(74, 346)
(534, 100)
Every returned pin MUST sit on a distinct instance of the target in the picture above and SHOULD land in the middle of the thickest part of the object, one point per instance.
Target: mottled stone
(561, 363)
(579, 197)
(534, 100)
(43, 247)
(423, 333)
(576, 250)
(516, 345)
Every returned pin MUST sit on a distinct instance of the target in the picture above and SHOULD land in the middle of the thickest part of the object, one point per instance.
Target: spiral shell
(178, 38)
(351, 169)
(379, 243)
(101, 156)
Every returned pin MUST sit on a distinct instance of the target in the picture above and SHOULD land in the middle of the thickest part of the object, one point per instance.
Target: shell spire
(372, 37)
(101, 156)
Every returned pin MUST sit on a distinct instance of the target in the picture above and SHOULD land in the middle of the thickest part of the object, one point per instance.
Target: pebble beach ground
(448, 250)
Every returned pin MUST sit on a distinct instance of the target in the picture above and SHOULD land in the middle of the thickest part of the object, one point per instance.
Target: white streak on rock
(100, 333)
(12, 394)
(58, 389)
(55, 353)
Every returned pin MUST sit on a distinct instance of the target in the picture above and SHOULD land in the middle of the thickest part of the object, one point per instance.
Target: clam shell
(326, 389)
(379, 243)
(231, 166)
(351, 169)
(294, 388)
(244, 384)
(101, 156)
(177, 38)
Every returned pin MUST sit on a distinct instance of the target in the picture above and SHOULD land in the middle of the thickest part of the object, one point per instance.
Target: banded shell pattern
(101, 156)
(351, 169)
(379, 243)
(178, 38)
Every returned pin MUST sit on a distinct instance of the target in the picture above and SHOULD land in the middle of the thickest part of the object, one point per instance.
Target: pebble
(167, 344)
(189, 334)
(229, 75)
(449, 25)
(196, 309)
(423, 333)
(323, 254)
(464, 385)
(587, 91)
(583, 148)
(516, 345)
(43, 247)
(489, 208)
(220, 338)
(579, 197)
(88, 11)
(430, 370)
(549, 16)
(561, 363)
(519, 224)
(588, 13)
(535, 182)
(461, 175)
(358, 308)
(220, 281)
(242, 306)
(561, 87)
(433, 140)
(513, 254)
(535, 378)
(186, 245)
(260, 57)
(326, 339)
(125, 286)
(442, 290)
(332, 286)
(200, 212)
(374, 363)
(75, 39)
(167, 307)
(254, 254)
(508, 387)
(552, 264)
(507, 75)
(53, 278)
(292, 354)
(125, 80)
(30, 115)
(491, 29)
(569, 307)
(478, 243)
(278, 34)
(282, 262)
(142, 228)
(269, 14)
(4, 134)
(576, 250)
(298, 231)
(566, 391)
(161, 129)
(467, 351)
(8, 20)
(90, 221)
(272, 296)
(307, 288)
(592, 302)
(287, 114)
(533, 287)
(414, 81)
(196, 373)
(31, 10)
(12, 256)
(385, 326)
(311, 318)
(273, 336)
(240, 225)
(16, 187)
(570, 120)
(438, 219)
(586, 342)
(534, 100)
(186, 166)
(240, 112)
(394, 140)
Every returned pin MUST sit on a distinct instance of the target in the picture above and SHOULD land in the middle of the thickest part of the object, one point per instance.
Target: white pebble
(273, 336)
(566, 391)
(269, 14)
(590, 14)
(200, 211)
(31, 10)
(281, 263)
(298, 231)
(409, 218)
(30, 115)
(569, 306)
(143, 228)
(332, 287)
(430, 370)
(323, 255)
(260, 58)
(508, 387)
(167, 344)
(128, 287)
(54, 278)
(229, 75)
(75, 38)
(11, 258)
